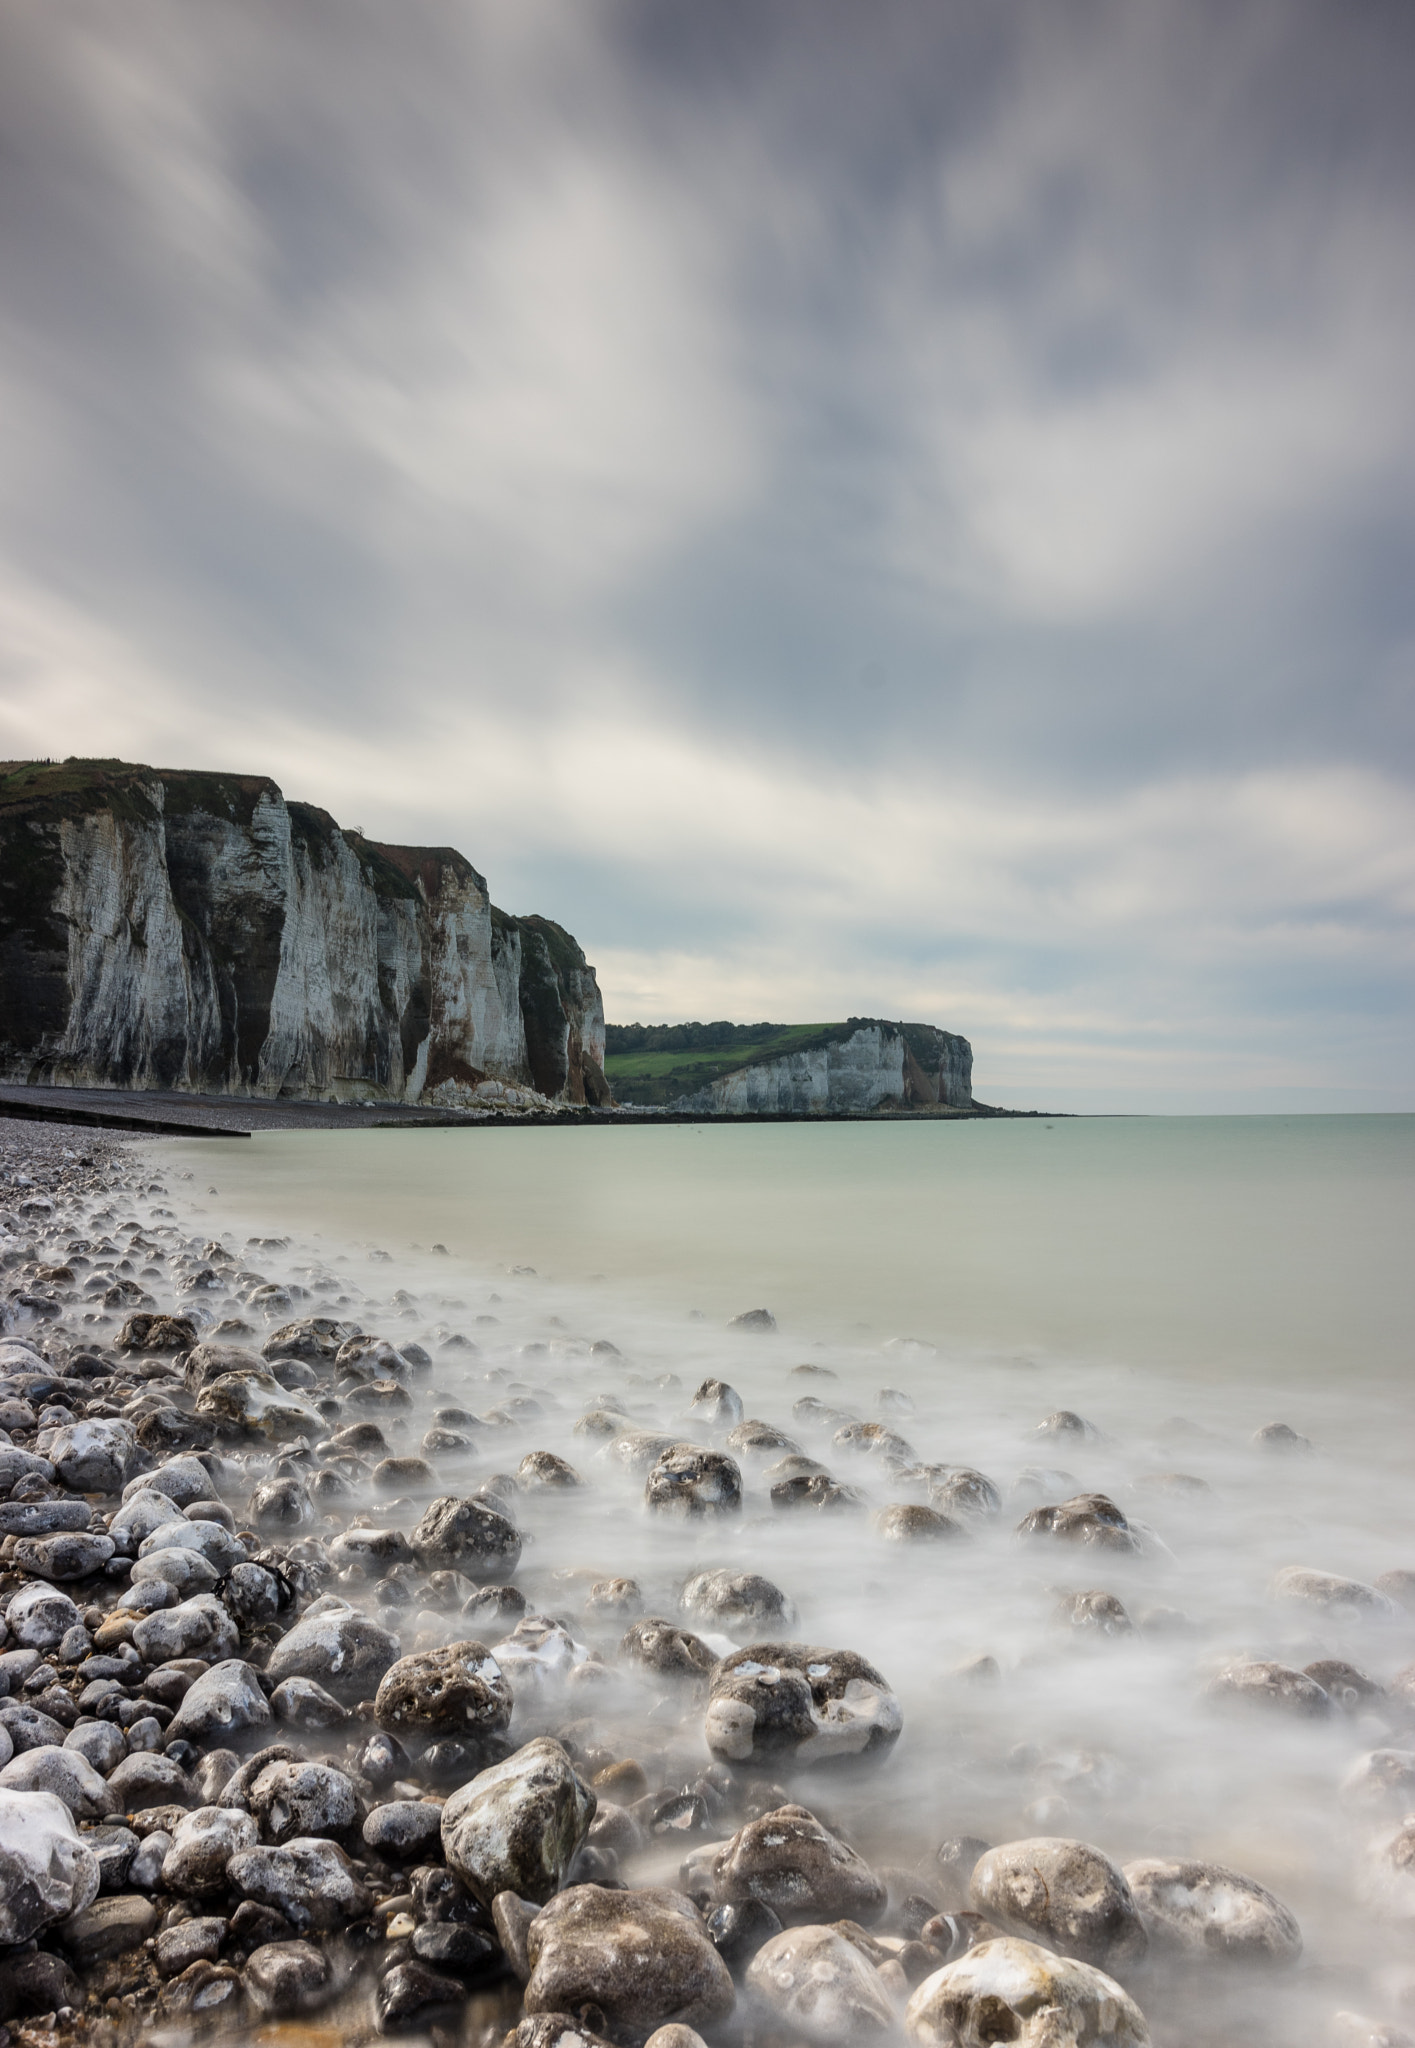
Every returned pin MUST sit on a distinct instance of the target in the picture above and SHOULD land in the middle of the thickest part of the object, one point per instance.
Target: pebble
(340, 1648)
(736, 1601)
(404, 1829)
(687, 1480)
(300, 1799)
(47, 1872)
(456, 1690)
(65, 1773)
(283, 1978)
(226, 1700)
(1066, 1892)
(1206, 1912)
(1013, 1991)
(309, 1880)
(821, 1986)
(642, 1957)
(789, 1862)
(467, 1536)
(775, 1701)
(518, 1826)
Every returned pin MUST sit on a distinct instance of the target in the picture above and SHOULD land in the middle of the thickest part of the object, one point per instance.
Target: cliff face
(877, 1064)
(165, 930)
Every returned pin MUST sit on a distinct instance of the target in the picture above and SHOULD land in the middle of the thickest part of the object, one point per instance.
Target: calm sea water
(1177, 1283)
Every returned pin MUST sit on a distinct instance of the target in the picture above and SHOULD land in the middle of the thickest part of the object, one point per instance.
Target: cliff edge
(164, 929)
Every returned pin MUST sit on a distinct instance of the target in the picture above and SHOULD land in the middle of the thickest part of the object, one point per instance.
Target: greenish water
(1264, 1244)
(1176, 1283)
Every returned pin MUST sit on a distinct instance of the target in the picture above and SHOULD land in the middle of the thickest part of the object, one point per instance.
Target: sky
(899, 509)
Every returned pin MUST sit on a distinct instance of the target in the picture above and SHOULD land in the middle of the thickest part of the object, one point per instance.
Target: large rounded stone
(738, 1602)
(457, 1690)
(690, 1481)
(339, 1648)
(818, 1984)
(518, 1826)
(1015, 1992)
(643, 1957)
(68, 1554)
(65, 1773)
(788, 1861)
(199, 1627)
(467, 1536)
(294, 1799)
(39, 1617)
(1341, 1599)
(222, 1701)
(1090, 1518)
(286, 1977)
(658, 1646)
(1204, 1911)
(309, 1880)
(1065, 1893)
(46, 1871)
(96, 1457)
(203, 1844)
(774, 1702)
(1262, 1683)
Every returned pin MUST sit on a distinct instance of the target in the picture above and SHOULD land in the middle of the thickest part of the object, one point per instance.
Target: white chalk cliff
(192, 931)
(874, 1066)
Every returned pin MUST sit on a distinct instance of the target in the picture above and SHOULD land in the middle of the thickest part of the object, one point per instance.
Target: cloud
(904, 510)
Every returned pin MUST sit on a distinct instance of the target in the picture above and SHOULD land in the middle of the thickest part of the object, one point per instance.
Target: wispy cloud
(894, 510)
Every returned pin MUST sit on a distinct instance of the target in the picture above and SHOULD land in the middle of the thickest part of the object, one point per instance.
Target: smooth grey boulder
(109, 1927)
(96, 1457)
(40, 1616)
(190, 1941)
(65, 1773)
(147, 1779)
(287, 1977)
(456, 1690)
(518, 1826)
(99, 1743)
(185, 1571)
(788, 1861)
(338, 1647)
(255, 1403)
(405, 1830)
(142, 1512)
(309, 1880)
(792, 1702)
(199, 1627)
(222, 1701)
(69, 1554)
(821, 1986)
(46, 1871)
(736, 1602)
(202, 1845)
(304, 1703)
(1065, 1893)
(1263, 1683)
(1204, 1911)
(643, 1957)
(313, 1338)
(1087, 1518)
(467, 1536)
(296, 1799)
(1341, 1599)
(1017, 1992)
(183, 1480)
(694, 1483)
(216, 1543)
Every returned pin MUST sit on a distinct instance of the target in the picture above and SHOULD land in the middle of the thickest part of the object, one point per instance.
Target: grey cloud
(1010, 402)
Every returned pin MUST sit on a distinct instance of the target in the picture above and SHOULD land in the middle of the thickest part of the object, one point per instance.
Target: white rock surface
(46, 1872)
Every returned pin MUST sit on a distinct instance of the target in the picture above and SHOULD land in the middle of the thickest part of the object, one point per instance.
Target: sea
(1168, 1287)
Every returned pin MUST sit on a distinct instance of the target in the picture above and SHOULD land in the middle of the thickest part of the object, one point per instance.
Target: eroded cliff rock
(875, 1065)
(168, 930)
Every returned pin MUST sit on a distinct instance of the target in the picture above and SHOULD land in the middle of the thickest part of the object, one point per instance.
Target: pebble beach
(397, 1659)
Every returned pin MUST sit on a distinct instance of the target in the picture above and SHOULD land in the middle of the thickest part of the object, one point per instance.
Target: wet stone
(819, 1985)
(340, 1648)
(404, 1829)
(467, 1536)
(411, 1994)
(456, 1690)
(282, 1978)
(192, 1941)
(689, 1481)
(109, 1927)
(1204, 1911)
(789, 1862)
(736, 1600)
(310, 1881)
(1015, 1991)
(1064, 1892)
(518, 1826)
(642, 1957)
(658, 1646)
(790, 1701)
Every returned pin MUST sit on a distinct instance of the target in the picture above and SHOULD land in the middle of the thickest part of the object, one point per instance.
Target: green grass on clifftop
(653, 1064)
